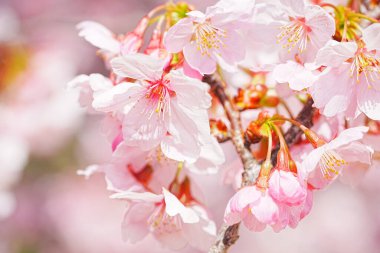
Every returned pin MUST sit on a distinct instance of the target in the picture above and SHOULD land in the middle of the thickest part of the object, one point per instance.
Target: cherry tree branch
(228, 235)
(250, 165)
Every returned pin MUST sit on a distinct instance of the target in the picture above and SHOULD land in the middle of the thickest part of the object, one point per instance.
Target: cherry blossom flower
(284, 202)
(291, 28)
(286, 187)
(352, 77)
(252, 206)
(158, 109)
(210, 38)
(326, 162)
(172, 222)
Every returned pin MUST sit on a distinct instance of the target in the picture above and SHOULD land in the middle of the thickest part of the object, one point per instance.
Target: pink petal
(175, 207)
(295, 74)
(371, 36)
(147, 197)
(347, 136)
(187, 88)
(99, 36)
(321, 23)
(311, 161)
(233, 50)
(179, 35)
(335, 53)
(285, 187)
(134, 227)
(369, 101)
(253, 224)
(202, 63)
(265, 209)
(296, 6)
(117, 97)
(143, 126)
(138, 66)
(333, 82)
(202, 234)
(182, 143)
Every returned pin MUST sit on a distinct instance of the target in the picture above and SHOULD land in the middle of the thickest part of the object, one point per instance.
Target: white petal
(371, 36)
(138, 196)
(175, 207)
(347, 136)
(335, 53)
(138, 66)
(179, 35)
(369, 101)
(99, 36)
(116, 97)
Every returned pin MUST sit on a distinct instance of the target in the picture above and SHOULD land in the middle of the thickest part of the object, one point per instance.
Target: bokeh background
(45, 207)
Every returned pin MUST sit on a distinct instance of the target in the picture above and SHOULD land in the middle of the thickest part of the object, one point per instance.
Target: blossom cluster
(173, 100)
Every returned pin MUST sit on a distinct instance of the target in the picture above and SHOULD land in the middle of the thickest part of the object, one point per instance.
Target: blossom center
(208, 37)
(365, 63)
(294, 34)
(160, 222)
(159, 95)
(330, 164)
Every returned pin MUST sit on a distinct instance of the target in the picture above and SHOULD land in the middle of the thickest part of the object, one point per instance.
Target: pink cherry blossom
(158, 109)
(326, 162)
(254, 207)
(171, 222)
(287, 188)
(291, 28)
(210, 38)
(352, 77)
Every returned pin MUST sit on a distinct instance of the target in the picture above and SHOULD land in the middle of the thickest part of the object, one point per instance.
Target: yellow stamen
(208, 37)
(330, 163)
(294, 34)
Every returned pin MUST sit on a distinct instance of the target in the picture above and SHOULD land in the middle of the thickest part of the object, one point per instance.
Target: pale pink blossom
(170, 221)
(210, 38)
(326, 162)
(287, 188)
(159, 109)
(292, 28)
(254, 207)
(351, 83)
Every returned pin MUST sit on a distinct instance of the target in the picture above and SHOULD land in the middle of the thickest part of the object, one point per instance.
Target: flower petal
(369, 101)
(174, 207)
(99, 36)
(138, 66)
(179, 35)
(335, 53)
(371, 36)
(202, 63)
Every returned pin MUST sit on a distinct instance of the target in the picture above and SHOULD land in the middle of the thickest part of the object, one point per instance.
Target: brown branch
(293, 135)
(228, 235)
(250, 165)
